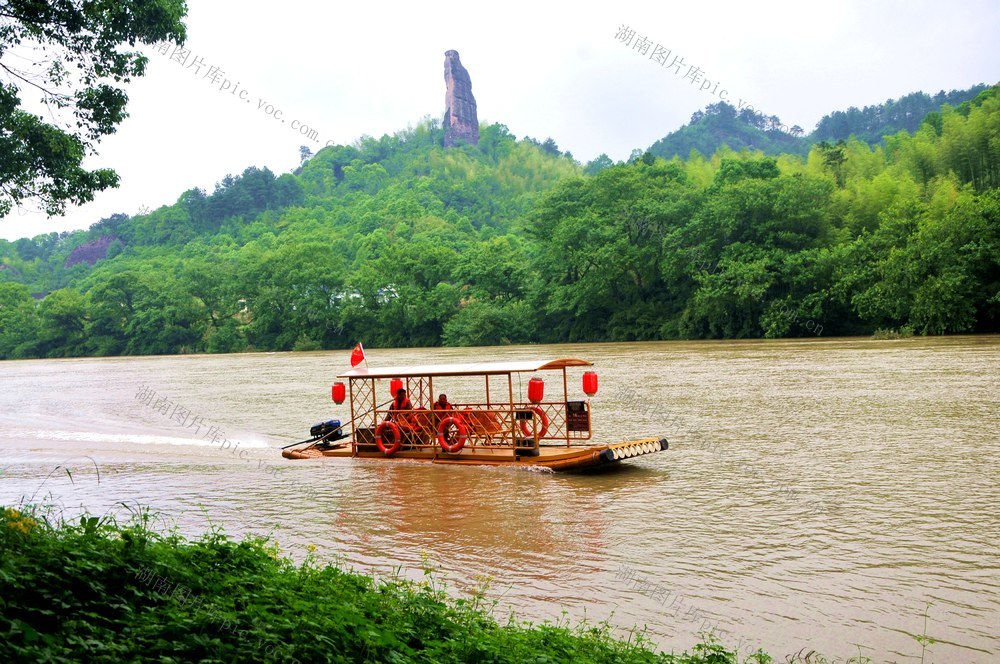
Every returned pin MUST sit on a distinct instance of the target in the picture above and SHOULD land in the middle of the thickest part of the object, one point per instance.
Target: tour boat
(499, 427)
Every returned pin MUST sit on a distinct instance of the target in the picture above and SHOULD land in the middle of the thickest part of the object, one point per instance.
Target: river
(822, 494)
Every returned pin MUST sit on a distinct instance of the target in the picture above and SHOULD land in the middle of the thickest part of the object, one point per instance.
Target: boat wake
(117, 438)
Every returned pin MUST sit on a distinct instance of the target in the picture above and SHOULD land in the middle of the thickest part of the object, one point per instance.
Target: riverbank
(98, 591)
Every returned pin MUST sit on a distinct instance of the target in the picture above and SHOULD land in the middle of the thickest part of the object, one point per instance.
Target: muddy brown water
(821, 494)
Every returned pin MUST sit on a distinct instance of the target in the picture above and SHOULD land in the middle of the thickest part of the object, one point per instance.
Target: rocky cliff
(461, 124)
(91, 252)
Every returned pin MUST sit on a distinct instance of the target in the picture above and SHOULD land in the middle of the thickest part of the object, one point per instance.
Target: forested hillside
(399, 242)
(722, 124)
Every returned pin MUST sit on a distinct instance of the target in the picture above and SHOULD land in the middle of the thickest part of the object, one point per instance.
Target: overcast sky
(543, 69)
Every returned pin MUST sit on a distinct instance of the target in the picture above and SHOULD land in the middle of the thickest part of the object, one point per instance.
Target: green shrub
(97, 591)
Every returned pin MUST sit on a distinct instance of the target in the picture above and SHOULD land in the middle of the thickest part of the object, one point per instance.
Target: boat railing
(491, 425)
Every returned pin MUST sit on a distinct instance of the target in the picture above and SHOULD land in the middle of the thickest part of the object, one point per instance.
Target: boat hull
(551, 457)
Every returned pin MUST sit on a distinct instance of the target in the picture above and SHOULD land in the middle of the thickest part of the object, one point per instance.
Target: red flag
(357, 355)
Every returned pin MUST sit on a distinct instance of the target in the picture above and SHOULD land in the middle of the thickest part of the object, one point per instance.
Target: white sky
(543, 69)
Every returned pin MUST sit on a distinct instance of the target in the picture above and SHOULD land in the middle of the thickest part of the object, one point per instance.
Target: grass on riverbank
(98, 591)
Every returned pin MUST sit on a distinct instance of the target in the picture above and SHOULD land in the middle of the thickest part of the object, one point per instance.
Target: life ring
(397, 438)
(460, 439)
(544, 429)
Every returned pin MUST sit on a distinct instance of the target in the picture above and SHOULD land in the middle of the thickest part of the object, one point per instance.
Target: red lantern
(536, 390)
(590, 383)
(395, 385)
(339, 392)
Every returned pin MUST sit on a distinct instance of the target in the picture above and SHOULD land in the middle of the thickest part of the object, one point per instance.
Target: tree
(18, 320)
(293, 291)
(933, 267)
(600, 163)
(496, 141)
(70, 51)
(755, 244)
(733, 170)
(550, 147)
(496, 269)
(62, 318)
(600, 246)
(489, 324)
(834, 157)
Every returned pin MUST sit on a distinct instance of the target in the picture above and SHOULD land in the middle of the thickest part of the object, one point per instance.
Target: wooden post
(354, 426)
(513, 423)
(566, 406)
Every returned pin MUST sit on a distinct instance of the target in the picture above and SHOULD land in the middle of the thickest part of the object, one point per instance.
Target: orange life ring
(459, 440)
(544, 429)
(397, 438)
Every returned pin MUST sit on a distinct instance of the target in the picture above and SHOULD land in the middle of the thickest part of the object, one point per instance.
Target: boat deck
(555, 457)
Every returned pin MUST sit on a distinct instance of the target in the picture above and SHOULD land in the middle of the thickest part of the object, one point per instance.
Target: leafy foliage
(871, 123)
(398, 242)
(76, 63)
(723, 125)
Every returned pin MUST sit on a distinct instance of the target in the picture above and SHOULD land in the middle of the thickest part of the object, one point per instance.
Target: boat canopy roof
(469, 369)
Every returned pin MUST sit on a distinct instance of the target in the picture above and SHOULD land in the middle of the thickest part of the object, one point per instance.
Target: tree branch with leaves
(77, 55)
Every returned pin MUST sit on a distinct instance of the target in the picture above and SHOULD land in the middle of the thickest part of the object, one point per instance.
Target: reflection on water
(816, 493)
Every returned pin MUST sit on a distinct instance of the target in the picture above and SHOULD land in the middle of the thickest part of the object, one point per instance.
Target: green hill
(722, 125)
(398, 241)
(378, 230)
(873, 123)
